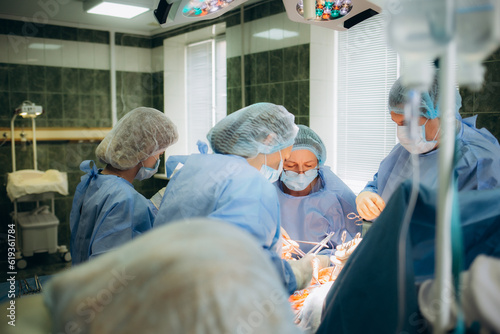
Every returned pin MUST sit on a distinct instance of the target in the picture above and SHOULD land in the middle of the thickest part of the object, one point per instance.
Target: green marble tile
(38, 99)
(71, 107)
(54, 107)
(36, 78)
(69, 33)
(303, 67)
(51, 31)
(233, 70)
(303, 95)
(70, 80)
(102, 82)
(85, 35)
(53, 80)
(291, 63)
(276, 65)
(87, 109)
(276, 93)
(262, 67)
(490, 121)
(291, 101)
(86, 81)
(18, 78)
(4, 77)
(262, 93)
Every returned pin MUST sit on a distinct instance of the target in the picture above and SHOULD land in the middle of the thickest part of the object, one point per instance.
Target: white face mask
(421, 145)
(271, 174)
(146, 172)
(297, 182)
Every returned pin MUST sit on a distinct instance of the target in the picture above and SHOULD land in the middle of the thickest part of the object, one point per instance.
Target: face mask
(421, 145)
(146, 172)
(271, 174)
(297, 182)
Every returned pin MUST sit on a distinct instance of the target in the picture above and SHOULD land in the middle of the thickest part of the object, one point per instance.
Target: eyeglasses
(308, 172)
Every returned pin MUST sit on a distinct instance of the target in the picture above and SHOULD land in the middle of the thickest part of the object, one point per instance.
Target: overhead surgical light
(333, 14)
(118, 8)
(173, 12)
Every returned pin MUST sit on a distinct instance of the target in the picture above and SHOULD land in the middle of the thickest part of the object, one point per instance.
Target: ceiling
(71, 13)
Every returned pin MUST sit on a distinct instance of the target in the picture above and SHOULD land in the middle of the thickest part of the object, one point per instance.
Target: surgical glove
(303, 270)
(324, 261)
(156, 199)
(369, 205)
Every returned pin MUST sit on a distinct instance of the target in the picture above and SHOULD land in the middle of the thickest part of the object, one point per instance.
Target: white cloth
(480, 290)
(310, 314)
(30, 181)
(186, 277)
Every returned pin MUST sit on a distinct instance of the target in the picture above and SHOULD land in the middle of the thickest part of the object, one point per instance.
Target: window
(367, 68)
(205, 88)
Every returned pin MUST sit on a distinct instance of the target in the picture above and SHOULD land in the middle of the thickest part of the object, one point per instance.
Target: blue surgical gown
(226, 187)
(324, 210)
(107, 212)
(477, 167)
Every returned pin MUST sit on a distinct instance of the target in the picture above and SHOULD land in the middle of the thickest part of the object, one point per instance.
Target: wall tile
(69, 54)
(15, 100)
(70, 80)
(17, 48)
(291, 101)
(100, 37)
(490, 121)
(86, 55)
(35, 54)
(262, 67)
(86, 108)
(53, 82)
(38, 99)
(53, 57)
(71, 107)
(262, 93)
(102, 82)
(18, 78)
(54, 107)
(303, 67)
(86, 81)
(303, 94)
(101, 57)
(85, 35)
(233, 70)
(276, 93)
(36, 78)
(276, 65)
(4, 77)
(291, 63)
(102, 109)
(52, 32)
(4, 50)
(131, 60)
(69, 34)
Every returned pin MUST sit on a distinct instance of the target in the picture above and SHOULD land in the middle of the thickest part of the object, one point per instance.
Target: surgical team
(265, 173)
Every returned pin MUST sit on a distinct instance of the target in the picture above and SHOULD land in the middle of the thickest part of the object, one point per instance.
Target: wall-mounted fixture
(333, 14)
(119, 8)
(173, 12)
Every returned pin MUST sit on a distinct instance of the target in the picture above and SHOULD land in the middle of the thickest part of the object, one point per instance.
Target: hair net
(139, 134)
(307, 139)
(193, 276)
(259, 128)
(429, 100)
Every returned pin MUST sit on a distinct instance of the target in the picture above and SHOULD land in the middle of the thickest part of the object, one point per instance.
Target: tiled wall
(68, 73)
(276, 68)
(485, 103)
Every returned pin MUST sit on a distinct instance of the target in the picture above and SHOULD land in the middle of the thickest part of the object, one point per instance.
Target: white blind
(367, 70)
(206, 88)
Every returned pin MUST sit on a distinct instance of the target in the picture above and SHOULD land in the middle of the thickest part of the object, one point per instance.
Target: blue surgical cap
(429, 100)
(259, 128)
(307, 139)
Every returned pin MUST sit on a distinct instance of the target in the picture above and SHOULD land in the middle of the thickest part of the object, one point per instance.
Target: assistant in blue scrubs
(477, 160)
(235, 183)
(313, 200)
(107, 211)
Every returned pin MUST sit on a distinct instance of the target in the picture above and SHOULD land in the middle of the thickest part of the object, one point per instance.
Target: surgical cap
(259, 128)
(139, 134)
(307, 139)
(429, 100)
(221, 281)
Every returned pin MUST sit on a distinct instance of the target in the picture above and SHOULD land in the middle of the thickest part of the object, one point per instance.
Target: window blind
(367, 69)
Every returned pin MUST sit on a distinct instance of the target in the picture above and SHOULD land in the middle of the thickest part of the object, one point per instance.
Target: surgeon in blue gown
(478, 152)
(107, 211)
(235, 183)
(314, 202)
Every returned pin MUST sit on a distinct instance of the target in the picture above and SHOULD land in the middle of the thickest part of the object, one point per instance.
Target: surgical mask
(420, 145)
(146, 172)
(297, 182)
(271, 174)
